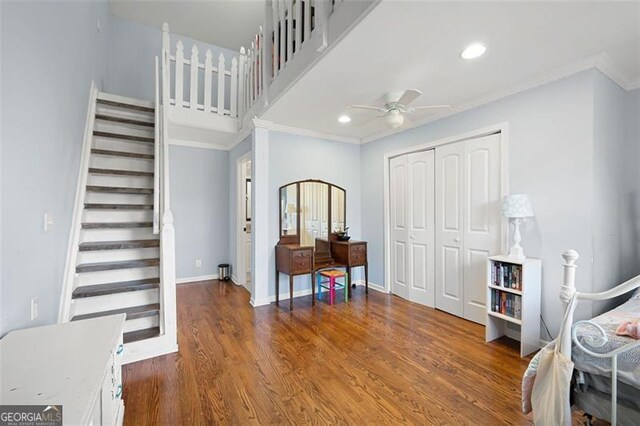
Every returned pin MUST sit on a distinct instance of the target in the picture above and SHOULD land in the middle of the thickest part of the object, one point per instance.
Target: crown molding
(269, 125)
(201, 145)
(601, 61)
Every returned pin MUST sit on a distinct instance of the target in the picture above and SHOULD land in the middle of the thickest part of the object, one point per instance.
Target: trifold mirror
(311, 209)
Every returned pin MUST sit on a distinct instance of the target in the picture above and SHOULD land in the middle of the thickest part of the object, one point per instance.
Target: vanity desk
(308, 209)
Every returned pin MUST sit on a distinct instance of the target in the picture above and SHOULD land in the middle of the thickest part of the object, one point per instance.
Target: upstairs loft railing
(231, 86)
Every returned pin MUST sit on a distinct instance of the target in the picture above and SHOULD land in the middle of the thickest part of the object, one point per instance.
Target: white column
(261, 247)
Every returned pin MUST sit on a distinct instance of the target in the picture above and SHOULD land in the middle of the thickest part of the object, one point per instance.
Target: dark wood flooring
(376, 360)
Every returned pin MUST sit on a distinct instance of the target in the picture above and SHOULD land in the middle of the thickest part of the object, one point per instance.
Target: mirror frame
(295, 239)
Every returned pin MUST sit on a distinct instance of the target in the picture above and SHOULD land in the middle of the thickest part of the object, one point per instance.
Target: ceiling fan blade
(408, 96)
(364, 120)
(374, 108)
(412, 109)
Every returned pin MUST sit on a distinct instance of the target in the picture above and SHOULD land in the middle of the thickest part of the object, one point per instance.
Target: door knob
(457, 240)
(413, 237)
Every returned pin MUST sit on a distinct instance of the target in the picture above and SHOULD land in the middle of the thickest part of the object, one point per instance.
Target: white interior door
(245, 219)
(412, 226)
(468, 223)
(482, 220)
(449, 228)
(398, 223)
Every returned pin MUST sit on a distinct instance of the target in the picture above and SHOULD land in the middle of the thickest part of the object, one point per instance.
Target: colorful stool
(331, 276)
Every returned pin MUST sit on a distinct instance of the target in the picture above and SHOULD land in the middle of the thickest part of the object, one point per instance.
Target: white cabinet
(513, 300)
(77, 365)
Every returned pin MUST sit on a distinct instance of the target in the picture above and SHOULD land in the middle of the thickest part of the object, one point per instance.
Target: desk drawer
(358, 254)
(301, 261)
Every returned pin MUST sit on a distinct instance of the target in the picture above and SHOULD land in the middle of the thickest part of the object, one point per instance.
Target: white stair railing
(156, 158)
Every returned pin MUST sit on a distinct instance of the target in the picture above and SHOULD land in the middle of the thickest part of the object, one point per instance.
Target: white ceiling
(403, 45)
(224, 23)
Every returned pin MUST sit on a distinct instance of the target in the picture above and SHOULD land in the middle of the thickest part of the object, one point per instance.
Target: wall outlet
(198, 263)
(34, 308)
(48, 221)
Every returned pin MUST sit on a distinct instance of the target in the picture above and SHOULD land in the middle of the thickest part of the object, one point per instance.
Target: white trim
(64, 310)
(239, 219)
(125, 100)
(194, 144)
(196, 279)
(372, 286)
(600, 61)
(269, 125)
(501, 128)
(260, 244)
(148, 348)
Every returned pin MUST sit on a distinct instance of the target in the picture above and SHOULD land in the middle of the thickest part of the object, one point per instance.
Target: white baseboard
(372, 286)
(196, 279)
(149, 348)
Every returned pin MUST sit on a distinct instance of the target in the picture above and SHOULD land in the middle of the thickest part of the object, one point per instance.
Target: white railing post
(567, 290)
(233, 96)
(275, 27)
(221, 74)
(261, 66)
(290, 34)
(307, 21)
(282, 24)
(193, 79)
(179, 74)
(241, 83)
(323, 10)
(156, 156)
(298, 16)
(208, 75)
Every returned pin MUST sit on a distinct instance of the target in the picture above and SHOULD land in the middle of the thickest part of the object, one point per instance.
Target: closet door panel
(421, 260)
(448, 228)
(398, 220)
(482, 220)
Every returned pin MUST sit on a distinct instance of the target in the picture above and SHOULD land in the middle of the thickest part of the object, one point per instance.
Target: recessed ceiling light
(473, 51)
(344, 119)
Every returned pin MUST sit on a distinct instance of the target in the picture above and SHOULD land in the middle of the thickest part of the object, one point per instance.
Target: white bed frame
(567, 292)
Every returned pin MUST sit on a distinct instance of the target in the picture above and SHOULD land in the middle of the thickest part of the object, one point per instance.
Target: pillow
(630, 329)
(636, 295)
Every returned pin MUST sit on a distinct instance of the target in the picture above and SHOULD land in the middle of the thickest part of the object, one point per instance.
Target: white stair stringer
(114, 258)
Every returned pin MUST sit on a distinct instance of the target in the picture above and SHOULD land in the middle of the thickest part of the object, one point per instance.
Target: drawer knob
(120, 350)
(119, 391)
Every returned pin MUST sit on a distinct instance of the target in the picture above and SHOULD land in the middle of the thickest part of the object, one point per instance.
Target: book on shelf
(506, 275)
(506, 303)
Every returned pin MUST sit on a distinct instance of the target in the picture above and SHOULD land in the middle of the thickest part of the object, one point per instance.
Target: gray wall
(609, 143)
(550, 158)
(133, 48)
(293, 158)
(50, 53)
(199, 201)
(237, 152)
(630, 203)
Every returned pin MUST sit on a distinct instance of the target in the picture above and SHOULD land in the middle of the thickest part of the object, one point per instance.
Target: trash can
(224, 271)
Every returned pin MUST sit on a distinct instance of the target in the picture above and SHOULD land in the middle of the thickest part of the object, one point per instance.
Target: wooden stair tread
(121, 154)
(123, 136)
(116, 225)
(120, 264)
(94, 206)
(132, 313)
(147, 333)
(124, 120)
(118, 245)
(114, 288)
(124, 105)
(119, 190)
(96, 171)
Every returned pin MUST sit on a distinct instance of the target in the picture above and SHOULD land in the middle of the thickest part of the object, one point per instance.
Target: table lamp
(518, 208)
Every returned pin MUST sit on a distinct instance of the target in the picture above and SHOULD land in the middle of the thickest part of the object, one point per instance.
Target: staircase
(117, 267)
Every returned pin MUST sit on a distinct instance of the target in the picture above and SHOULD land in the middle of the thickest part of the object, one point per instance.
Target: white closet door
(449, 228)
(421, 242)
(482, 220)
(412, 226)
(468, 189)
(398, 220)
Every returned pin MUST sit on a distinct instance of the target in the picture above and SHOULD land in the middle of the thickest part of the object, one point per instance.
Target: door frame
(501, 128)
(240, 278)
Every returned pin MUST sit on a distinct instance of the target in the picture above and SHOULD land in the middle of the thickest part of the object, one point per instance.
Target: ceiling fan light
(473, 51)
(344, 119)
(395, 119)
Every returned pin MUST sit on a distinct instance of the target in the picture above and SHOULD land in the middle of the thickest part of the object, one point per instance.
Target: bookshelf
(513, 301)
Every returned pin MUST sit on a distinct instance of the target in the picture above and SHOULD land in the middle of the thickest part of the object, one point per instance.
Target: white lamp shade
(517, 205)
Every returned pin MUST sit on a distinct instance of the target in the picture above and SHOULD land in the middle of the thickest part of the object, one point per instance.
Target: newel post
(168, 287)
(567, 290)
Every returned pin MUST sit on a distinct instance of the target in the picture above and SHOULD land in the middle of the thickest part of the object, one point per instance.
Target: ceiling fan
(396, 106)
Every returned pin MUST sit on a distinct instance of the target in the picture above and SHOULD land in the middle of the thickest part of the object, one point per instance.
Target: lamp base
(516, 252)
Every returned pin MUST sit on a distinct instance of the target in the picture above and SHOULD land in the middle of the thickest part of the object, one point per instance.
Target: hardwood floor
(376, 360)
